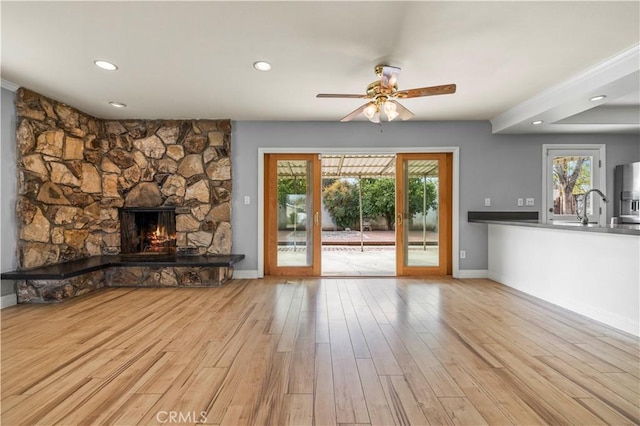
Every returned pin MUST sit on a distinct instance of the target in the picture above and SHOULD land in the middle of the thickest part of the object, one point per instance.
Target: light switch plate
(530, 202)
(463, 254)
(520, 202)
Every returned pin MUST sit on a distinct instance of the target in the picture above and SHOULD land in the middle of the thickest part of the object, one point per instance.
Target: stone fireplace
(147, 231)
(84, 183)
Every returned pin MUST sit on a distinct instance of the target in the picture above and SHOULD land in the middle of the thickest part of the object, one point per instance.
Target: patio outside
(343, 254)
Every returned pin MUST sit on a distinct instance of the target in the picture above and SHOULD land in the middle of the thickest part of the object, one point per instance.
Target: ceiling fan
(383, 94)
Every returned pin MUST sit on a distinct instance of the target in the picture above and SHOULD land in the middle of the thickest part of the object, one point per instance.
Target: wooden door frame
(445, 215)
(454, 150)
(271, 211)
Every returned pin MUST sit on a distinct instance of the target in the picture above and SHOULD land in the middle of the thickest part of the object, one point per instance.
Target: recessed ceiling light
(262, 65)
(105, 65)
(117, 104)
(535, 123)
(597, 98)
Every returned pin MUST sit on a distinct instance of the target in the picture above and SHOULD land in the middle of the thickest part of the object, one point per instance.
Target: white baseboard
(239, 274)
(245, 274)
(472, 273)
(8, 300)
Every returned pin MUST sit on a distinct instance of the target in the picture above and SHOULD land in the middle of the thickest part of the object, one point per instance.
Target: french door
(422, 222)
(423, 214)
(292, 214)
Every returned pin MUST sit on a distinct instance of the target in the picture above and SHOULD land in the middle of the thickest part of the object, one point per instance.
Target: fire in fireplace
(148, 230)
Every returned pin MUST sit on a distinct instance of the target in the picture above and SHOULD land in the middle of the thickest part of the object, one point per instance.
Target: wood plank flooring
(314, 351)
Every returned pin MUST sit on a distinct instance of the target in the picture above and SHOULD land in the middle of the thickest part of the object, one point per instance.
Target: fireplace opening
(148, 231)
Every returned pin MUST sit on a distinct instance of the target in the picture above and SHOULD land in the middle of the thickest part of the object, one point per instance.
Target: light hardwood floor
(315, 351)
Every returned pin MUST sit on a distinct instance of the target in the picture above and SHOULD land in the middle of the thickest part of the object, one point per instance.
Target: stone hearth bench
(62, 281)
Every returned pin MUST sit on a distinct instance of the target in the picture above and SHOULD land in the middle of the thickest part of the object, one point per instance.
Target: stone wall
(172, 276)
(48, 291)
(75, 171)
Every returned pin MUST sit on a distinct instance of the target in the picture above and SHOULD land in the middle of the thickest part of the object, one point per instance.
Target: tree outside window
(571, 178)
(340, 197)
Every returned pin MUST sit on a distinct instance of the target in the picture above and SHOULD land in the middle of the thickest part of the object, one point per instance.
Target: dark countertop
(95, 263)
(622, 229)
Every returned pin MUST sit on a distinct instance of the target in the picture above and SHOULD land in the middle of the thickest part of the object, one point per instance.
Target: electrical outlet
(463, 254)
(530, 202)
(247, 199)
(487, 202)
(520, 202)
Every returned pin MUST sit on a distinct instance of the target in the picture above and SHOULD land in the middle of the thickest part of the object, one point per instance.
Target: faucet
(584, 219)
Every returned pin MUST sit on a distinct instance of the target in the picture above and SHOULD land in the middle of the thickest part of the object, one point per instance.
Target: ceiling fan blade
(402, 111)
(338, 95)
(445, 89)
(355, 113)
(389, 77)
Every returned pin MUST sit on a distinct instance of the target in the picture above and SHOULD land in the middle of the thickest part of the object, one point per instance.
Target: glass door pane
(292, 222)
(423, 216)
(295, 236)
(421, 213)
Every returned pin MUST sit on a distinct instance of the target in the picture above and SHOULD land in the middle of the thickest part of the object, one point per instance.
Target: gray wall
(8, 187)
(502, 167)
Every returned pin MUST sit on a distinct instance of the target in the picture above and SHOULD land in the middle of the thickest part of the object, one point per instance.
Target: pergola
(358, 166)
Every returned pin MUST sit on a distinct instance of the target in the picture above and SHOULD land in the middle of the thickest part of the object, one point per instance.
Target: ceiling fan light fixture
(390, 110)
(370, 111)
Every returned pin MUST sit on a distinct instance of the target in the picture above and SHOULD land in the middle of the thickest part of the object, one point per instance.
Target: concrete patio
(343, 255)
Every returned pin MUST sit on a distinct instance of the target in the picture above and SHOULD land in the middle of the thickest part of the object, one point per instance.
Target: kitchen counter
(624, 228)
(591, 270)
(530, 219)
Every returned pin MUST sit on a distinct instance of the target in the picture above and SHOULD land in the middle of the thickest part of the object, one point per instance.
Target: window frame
(577, 149)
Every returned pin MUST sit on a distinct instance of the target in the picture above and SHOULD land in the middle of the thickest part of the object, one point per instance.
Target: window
(569, 171)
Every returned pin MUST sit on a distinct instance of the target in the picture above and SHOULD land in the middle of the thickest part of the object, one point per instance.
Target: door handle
(316, 218)
(399, 219)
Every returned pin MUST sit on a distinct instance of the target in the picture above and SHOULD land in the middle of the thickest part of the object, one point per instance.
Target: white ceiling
(512, 61)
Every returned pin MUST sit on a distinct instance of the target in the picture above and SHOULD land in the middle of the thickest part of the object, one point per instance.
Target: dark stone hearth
(66, 280)
(62, 271)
